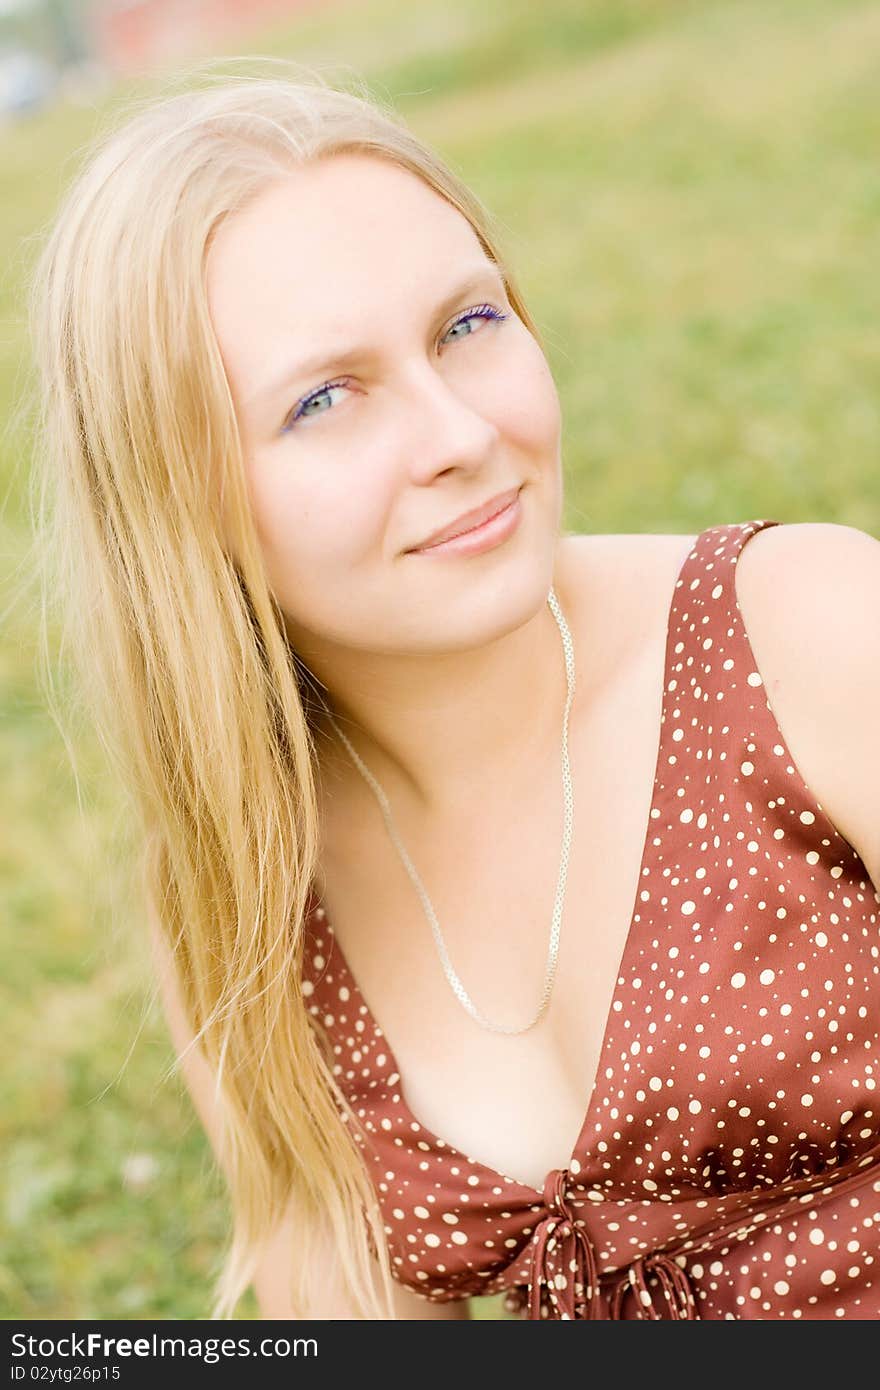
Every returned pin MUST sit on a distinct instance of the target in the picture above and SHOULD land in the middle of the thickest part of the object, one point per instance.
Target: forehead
(330, 242)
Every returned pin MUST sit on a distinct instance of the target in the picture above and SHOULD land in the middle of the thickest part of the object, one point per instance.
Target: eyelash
(486, 311)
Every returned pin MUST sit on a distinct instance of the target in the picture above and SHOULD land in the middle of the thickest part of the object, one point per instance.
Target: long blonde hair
(150, 557)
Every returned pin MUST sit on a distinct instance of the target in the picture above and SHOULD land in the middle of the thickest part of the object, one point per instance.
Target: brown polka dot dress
(729, 1160)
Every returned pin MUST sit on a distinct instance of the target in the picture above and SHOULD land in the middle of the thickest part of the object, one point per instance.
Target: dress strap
(724, 719)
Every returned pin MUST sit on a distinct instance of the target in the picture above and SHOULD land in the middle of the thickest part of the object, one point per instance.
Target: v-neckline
(347, 977)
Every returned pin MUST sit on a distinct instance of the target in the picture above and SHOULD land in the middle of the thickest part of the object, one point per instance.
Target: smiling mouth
(502, 503)
(482, 536)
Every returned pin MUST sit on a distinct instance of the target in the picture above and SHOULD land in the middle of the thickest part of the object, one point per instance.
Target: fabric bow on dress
(563, 1261)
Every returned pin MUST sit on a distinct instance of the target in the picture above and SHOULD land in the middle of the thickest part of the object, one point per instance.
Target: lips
(469, 521)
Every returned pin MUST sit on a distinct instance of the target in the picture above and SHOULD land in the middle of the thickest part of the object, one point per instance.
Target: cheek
(314, 521)
(528, 412)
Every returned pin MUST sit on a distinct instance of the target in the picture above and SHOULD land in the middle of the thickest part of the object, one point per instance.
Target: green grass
(691, 198)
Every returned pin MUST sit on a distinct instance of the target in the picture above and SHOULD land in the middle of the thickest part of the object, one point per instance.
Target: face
(383, 386)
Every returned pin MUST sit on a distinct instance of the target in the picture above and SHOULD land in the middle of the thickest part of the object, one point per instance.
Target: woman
(523, 791)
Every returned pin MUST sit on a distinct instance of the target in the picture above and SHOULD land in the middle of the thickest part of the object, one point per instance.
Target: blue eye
(483, 311)
(300, 410)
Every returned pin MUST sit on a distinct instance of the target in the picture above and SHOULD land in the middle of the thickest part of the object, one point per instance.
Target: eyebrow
(325, 359)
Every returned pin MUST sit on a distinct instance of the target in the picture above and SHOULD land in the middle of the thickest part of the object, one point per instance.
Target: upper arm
(810, 600)
(194, 1066)
(271, 1278)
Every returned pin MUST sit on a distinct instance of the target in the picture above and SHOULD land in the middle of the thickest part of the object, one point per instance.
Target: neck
(435, 729)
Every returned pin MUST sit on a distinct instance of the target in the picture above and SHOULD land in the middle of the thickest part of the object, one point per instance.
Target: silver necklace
(456, 985)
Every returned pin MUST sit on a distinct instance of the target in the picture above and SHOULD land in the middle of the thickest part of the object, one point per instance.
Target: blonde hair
(179, 648)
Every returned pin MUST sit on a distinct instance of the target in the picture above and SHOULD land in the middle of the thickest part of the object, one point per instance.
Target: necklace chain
(455, 983)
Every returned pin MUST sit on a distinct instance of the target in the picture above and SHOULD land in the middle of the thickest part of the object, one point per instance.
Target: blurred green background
(691, 200)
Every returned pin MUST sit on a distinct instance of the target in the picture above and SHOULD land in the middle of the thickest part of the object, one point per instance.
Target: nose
(446, 427)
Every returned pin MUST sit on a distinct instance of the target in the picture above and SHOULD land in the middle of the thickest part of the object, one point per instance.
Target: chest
(516, 1104)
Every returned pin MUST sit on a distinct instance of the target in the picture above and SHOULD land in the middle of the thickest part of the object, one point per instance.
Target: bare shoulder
(809, 596)
(627, 580)
(630, 547)
(627, 558)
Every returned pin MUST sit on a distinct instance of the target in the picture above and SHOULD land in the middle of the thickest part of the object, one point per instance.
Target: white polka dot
(738, 980)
